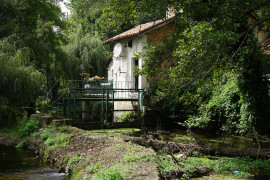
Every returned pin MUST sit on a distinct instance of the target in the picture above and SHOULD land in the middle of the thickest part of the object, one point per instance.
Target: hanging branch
(258, 142)
(199, 142)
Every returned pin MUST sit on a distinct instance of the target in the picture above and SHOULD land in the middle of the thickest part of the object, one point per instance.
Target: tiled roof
(138, 30)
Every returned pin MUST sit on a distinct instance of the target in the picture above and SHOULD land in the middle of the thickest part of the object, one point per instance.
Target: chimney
(170, 11)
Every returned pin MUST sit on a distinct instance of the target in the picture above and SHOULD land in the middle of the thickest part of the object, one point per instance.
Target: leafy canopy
(216, 41)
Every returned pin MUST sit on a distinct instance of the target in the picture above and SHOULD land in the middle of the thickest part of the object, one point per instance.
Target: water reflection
(20, 164)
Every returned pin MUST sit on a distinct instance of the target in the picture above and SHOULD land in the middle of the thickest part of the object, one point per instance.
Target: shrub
(128, 117)
(27, 127)
(23, 144)
(72, 161)
(165, 164)
(226, 110)
(59, 140)
(45, 134)
(63, 128)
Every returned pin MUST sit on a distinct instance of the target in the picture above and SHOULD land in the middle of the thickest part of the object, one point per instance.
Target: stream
(22, 164)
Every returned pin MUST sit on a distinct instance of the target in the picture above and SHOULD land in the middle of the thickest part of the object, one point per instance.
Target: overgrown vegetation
(27, 127)
(128, 117)
(113, 173)
(246, 167)
(72, 161)
(210, 72)
(61, 140)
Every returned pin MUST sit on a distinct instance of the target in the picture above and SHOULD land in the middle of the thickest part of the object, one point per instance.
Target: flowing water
(20, 164)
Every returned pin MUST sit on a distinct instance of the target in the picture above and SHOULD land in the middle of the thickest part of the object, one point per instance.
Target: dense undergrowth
(245, 167)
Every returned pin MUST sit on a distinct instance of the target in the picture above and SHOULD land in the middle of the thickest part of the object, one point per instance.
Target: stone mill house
(121, 64)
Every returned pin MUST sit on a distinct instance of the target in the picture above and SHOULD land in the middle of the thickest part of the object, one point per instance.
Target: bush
(72, 161)
(226, 110)
(45, 134)
(9, 116)
(59, 140)
(23, 144)
(128, 117)
(27, 127)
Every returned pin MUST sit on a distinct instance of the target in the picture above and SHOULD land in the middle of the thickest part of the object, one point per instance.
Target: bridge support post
(85, 111)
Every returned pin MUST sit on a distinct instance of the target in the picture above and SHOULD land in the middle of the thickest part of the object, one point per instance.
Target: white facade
(121, 68)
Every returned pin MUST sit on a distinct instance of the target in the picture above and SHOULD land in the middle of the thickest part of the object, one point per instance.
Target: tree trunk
(206, 150)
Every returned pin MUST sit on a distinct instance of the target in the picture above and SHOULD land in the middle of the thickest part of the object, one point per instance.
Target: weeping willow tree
(20, 81)
(85, 54)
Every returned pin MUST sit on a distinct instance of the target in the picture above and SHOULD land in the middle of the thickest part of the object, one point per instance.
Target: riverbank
(84, 154)
(95, 154)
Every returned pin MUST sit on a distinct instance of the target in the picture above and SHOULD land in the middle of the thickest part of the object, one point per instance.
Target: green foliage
(207, 46)
(128, 117)
(21, 81)
(27, 126)
(109, 173)
(63, 128)
(84, 47)
(29, 53)
(86, 13)
(118, 14)
(23, 144)
(72, 162)
(220, 165)
(58, 140)
(95, 168)
(9, 116)
(45, 134)
(165, 164)
(41, 104)
(244, 165)
(85, 54)
(224, 107)
(129, 158)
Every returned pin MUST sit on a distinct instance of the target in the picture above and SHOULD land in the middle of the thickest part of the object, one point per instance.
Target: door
(136, 77)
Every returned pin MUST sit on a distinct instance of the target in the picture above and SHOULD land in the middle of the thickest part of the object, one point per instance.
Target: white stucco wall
(121, 69)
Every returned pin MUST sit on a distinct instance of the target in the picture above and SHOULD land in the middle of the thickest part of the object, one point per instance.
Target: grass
(221, 165)
(53, 139)
(115, 133)
(11, 131)
(165, 164)
(71, 162)
(23, 144)
(94, 168)
(63, 128)
(59, 139)
(23, 130)
(128, 158)
(45, 134)
(109, 173)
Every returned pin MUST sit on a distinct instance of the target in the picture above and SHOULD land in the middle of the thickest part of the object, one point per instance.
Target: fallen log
(206, 150)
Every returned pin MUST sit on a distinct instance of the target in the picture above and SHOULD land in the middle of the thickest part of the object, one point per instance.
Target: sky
(63, 7)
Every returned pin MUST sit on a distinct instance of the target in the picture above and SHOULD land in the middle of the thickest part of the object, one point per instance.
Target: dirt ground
(105, 148)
